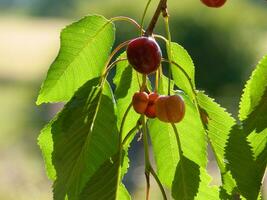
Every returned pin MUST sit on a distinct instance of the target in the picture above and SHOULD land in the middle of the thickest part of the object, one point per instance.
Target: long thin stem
(129, 134)
(147, 160)
(143, 16)
(112, 65)
(169, 52)
(161, 6)
(160, 37)
(157, 80)
(122, 124)
(127, 19)
(148, 167)
(120, 146)
(177, 139)
(116, 50)
(143, 87)
(184, 72)
(158, 182)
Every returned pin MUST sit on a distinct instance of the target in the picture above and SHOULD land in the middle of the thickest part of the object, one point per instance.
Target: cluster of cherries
(144, 55)
(165, 108)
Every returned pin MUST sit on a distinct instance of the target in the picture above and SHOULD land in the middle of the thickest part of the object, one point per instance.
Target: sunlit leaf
(182, 58)
(254, 89)
(219, 124)
(85, 46)
(247, 145)
(45, 141)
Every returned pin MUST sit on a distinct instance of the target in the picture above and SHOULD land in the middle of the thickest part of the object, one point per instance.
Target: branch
(162, 7)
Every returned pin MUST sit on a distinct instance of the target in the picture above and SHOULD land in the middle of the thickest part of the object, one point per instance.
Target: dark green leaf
(126, 85)
(105, 183)
(85, 136)
(242, 165)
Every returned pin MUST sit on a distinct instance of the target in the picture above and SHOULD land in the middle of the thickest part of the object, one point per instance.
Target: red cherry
(151, 107)
(144, 54)
(214, 3)
(140, 102)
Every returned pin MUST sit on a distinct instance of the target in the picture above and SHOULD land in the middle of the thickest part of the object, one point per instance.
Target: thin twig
(162, 6)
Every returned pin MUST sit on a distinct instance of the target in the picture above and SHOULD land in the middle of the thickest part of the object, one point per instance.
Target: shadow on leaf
(186, 181)
(125, 82)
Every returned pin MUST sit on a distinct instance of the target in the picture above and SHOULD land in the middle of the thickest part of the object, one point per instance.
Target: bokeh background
(225, 45)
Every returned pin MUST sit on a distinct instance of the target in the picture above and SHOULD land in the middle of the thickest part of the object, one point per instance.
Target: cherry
(140, 102)
(151, 107)
(144, 54)
(170, 108)
(214, 3)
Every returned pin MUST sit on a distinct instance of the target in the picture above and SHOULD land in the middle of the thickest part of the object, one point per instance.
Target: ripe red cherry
(144, 54)
(214, 3)
(140, 102)
(170, 108)
(151, 107)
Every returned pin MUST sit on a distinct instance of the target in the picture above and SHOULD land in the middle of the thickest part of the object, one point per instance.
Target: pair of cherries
(165, 108)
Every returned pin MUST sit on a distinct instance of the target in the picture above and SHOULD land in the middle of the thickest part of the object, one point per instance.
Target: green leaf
(186, 180)
(242, 165)
(255, 127)
(247, 144)
(45, 142)
(205, 190)
(187, 176)
(219, 125)
(254, 89)
(85, 47)
(192, 182)
(103, 184)
(126, 85)
(85, 136)
(182, 58)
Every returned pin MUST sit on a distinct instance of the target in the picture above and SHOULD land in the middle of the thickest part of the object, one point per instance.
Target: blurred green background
(225, 45)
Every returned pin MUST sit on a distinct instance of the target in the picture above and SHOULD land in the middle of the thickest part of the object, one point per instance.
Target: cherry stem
(147, 160)
(120, 146)
(160, 37)
(129, 134)
(178, 140)
(116, 50)
(148, 167)
(158, 182)
(169, 51)
(122, 125)
(112, 65)
(162, 7)
(157, 80)
(127, 19)
(143, 87)
(184, 72)
(143, 16)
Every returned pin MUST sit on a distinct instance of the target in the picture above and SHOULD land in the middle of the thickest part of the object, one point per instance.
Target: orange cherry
(151, 107)
(140, 101)
(170, 108)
